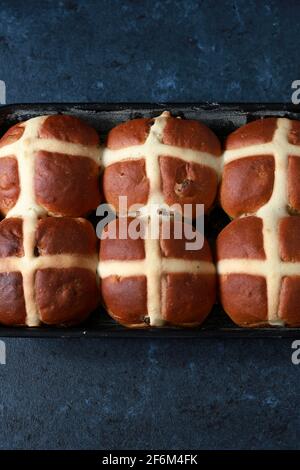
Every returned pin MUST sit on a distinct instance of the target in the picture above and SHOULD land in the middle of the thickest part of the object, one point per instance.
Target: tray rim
(117, 331)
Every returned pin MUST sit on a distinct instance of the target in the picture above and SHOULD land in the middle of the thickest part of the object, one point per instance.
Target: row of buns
(54, 172)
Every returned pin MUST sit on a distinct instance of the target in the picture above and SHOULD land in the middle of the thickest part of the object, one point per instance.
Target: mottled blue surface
(149, 393)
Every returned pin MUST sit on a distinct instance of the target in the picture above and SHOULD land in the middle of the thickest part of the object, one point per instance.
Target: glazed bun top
(258, 255)
(162, 161)
(140, 276)
(49, 276)
(262, 165)
(50, 165)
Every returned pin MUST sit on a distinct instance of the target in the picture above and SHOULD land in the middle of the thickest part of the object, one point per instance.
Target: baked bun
(162, 161)
(153, 282)
(49, 165)
(54, 161)
(50, 276)
(258, 255)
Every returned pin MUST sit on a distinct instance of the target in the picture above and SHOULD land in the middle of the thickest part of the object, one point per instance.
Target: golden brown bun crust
(247, 184)
(191, 134)
(126, 297)
(65, 235)
(128, 179)
(242, 238)
(181, 182)
(289, 305)
(289, 238)
(244, 298)
(175, 248)
(254, 133)
(187, 309)
(294, 183)
(129, 249)
(12, 305)
(187, 183)
(66, 185)
(238, 196)
(65, 296)
(68, 129)
(11, 237)
(128, 134)
(9, 183)
(12, 135)
(294, 134)
(121, 249)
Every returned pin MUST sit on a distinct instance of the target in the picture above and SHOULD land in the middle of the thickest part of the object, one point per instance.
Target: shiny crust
(187, 309)
(69, 129)
(254, 133)
(289, 306)
(65, 235)
(175, 248)
(129, 249)
(294, 184)
(12, 305)
(126, 299)
(120, 249)
(244, 298)
(182, 182)
(128, 179)
(11, 237)
(12, 135)
(289, 239)
(65, 296)
(294, 134)
(242, 238)
(191, 134)
(128, 134)
(247, 184)
(66, 185)
(187, 183)
(9, 183)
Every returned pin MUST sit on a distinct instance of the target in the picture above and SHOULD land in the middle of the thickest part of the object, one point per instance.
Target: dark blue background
(131, 394)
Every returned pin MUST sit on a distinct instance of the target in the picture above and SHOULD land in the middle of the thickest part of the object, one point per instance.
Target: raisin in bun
(162, 161)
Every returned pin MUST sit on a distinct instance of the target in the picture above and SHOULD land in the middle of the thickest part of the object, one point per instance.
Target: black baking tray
(222, 119)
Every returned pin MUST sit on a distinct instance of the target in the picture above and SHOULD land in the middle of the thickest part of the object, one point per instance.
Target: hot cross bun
(153, 282)
(50, 164)
(162, 161)
(49, 277)
(258, 254)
